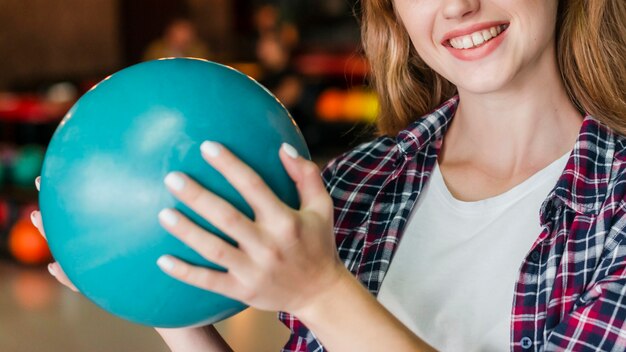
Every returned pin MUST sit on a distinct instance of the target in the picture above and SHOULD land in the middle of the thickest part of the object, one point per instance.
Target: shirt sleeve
(597, 322)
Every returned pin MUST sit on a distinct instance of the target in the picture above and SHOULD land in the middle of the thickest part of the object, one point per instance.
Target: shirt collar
(427, 129)
(583, 185)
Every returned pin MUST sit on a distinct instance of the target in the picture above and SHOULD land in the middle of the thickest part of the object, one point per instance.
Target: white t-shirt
(453, 276)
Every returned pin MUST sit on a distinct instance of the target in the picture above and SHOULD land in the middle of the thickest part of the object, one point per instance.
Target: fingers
(35, 218)
(208, 245)
(54, 268)
(214, 209)
(306, 175)
(244, 179)
(57, 272)
(38, 182)
(207, 279)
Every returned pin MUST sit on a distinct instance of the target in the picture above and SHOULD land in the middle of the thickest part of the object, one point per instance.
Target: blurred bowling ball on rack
(102, 181)
(27, 245)
(329, 105)
(371, 106)
(352, 105)
(27, 165)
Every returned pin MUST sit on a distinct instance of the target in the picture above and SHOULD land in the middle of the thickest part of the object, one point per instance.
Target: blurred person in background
(267, 21)
(278, 74)
(276, 41)
(180, 39)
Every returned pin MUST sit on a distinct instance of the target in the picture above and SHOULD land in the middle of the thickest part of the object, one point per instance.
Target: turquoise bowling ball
(102, 181)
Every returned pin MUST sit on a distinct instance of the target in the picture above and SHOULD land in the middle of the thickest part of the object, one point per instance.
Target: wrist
(202, 338)
(341, 286)
(336, 314)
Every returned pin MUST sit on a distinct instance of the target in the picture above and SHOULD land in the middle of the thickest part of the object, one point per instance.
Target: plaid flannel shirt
(570, 292)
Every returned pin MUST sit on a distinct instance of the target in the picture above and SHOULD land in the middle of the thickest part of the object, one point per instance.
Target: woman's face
(481, 46)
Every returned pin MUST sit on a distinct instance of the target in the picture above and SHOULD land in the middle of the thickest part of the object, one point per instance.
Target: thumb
(307, 177)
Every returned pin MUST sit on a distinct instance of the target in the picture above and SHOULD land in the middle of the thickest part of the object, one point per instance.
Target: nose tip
(460, 8)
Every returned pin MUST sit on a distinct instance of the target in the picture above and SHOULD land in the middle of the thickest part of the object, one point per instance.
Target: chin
(482, 83)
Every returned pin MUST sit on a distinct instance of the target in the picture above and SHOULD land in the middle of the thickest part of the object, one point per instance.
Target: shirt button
(534, 256)
(526, 342)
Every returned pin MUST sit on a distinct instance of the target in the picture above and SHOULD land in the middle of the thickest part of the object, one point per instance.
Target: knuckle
(217, 253)
(254, 181)
(230, 218)
(289, 227)
(310, 170)
(327, 202)
(205, 277)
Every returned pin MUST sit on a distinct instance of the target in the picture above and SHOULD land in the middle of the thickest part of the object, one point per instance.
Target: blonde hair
(591, 53)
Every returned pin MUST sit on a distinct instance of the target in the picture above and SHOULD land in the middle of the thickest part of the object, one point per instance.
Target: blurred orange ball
(330, 105)
(353, 105)
(26, 243)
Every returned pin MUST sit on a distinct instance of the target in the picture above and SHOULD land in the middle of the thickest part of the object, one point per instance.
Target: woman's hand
(286, 257)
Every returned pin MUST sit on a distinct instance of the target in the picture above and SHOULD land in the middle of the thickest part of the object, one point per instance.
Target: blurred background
(307, 52)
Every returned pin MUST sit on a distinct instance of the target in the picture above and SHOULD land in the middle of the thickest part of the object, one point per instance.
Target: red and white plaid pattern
(571, 289)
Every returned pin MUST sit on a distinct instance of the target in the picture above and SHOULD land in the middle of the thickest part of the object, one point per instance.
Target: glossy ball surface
(102, 180)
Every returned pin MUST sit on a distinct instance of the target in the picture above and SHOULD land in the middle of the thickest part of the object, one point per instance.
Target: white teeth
(467, 42)
(486, 35)
(476, 38)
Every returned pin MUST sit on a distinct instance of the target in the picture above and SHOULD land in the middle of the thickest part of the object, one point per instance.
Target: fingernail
(211, 149)
(175, 181)
(32, 217)
(51, 270)
(290, 150)
(169, 217)
(166, 263)
(38, 182)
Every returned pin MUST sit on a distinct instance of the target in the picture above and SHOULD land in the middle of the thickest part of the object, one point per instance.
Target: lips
(475, 42)
(475, 35)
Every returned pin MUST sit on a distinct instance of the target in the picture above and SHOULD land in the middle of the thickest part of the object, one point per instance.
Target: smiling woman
(590, 37)
(489, 214)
